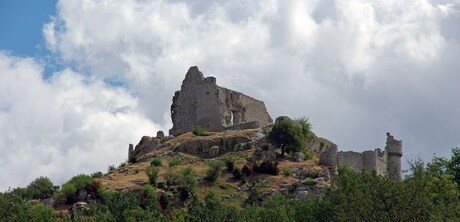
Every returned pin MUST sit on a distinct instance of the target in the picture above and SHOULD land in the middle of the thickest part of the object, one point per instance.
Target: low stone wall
(243, 126)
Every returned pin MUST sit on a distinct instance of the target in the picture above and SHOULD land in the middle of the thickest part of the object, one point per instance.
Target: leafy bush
(110, 168)
(96, 174)
(81, 181)
(199, 131)
(309, 181)
(308, 154)
(237, 173)
(178, 133)
(184, 194)
(267, 167)
(68, 189)
(174, 162)
(247, 170)
(287, 134)
(155, 162)
(152, 174)
(230, 165)
(287, 171)
(171, 177)
(123, 164)
(306, 127)
(188, 180)
(41, 188)
(160, 134)
(214, 170)
(164, 201)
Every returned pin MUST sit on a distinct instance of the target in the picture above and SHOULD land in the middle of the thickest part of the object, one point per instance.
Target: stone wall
(202, 102)
(386, 162)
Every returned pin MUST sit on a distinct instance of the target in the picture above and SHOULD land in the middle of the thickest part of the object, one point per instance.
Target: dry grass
(133, 176)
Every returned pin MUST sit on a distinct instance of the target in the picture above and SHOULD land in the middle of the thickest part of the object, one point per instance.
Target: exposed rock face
(210, 148)
(298, 157)
(146, 145)
(202, 102)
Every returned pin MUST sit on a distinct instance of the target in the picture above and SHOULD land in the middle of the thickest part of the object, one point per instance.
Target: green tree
(41, 188)
(287, 134)
(214, 170)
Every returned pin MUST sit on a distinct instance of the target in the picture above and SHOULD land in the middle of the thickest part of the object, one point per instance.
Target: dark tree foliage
(267, 167)
(288, 135)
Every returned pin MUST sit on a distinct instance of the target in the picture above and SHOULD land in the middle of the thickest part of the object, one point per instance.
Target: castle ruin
(387, 162)
(201, 102)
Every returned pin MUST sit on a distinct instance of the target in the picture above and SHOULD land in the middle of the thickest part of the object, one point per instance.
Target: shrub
(184, 194)
(81, 181)
(178, 133)
(198, 131)
(267, 167)
(230, 164)
(188, 180)
(287, 134)
(306, 127)
(68, 189)
(110, 168)
(215, 168)
(308, 154)
(96, 174)
(237, 174)
(41, 188)
(160, 134)
(164, 201)
(247, 170)
(287, 171)
(148, 197)
(123, 164)
(132, 159)
(309, 181)
(155, 162)
(152, 174)
(174, 162)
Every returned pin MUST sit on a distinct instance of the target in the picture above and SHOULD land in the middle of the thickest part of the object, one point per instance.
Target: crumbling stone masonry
(201, 102)
(386, 162)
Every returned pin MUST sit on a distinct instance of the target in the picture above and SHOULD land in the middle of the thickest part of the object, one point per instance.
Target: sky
(80, 80)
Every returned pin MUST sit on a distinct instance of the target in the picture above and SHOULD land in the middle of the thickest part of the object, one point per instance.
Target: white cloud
(375, 62)
(66, 125)
(357, 68)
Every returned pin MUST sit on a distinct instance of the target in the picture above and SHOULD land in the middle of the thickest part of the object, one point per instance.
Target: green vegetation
(96, 174)
(199, 131)
(429, 192)
(152, 174)
(289, 135)
(188, 182)
(214, 170)
(160, 134)
(174, 162)
(308, 154)
(287, 171)
(155, 162)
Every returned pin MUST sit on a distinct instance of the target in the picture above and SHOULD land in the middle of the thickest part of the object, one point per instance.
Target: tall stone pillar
(394, 152)
(130, 152)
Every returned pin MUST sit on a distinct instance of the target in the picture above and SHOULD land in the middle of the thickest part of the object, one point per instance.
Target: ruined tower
(201, 102)
(393, 149)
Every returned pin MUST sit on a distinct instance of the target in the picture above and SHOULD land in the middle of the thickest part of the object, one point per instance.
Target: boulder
(298, 157)
(213, 151)
(302, 195)
(82, 194)
(268, 155)
(48, 202)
